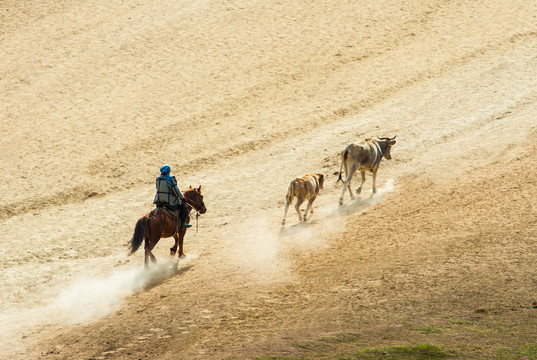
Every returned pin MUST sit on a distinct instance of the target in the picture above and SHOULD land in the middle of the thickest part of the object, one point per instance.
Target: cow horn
(393, 137)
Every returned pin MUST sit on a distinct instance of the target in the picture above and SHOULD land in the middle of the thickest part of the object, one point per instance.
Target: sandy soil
(240, 97)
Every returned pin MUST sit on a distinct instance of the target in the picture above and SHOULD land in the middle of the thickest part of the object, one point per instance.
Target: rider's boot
(184, 225)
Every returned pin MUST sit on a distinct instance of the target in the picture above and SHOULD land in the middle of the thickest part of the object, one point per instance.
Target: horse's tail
(140, 233)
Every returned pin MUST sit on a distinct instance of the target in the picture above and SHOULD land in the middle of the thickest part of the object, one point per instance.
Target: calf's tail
(290, 193)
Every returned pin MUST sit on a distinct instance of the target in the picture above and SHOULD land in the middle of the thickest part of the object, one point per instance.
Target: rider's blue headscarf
(165, 172)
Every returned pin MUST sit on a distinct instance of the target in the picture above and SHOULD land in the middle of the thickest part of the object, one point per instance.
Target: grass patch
(428, 329)
(278, 358)
(530, 352)
(419, 352)
(461, 322)
(311, 346)
(506, 353)
(328, 342)
(339, 338)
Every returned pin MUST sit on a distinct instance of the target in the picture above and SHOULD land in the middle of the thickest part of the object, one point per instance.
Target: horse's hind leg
(173, 249)
(149, 255)
(149, 245)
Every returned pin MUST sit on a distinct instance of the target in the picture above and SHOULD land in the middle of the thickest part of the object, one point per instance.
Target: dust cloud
(256, 250)
(261, 246)
(87, 299)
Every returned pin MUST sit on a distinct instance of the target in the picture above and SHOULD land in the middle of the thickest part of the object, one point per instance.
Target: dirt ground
(240, 97)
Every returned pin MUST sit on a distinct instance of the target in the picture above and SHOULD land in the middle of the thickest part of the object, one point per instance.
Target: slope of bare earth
(241, 97)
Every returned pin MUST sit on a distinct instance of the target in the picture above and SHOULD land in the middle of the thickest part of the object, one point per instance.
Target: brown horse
(159, 224)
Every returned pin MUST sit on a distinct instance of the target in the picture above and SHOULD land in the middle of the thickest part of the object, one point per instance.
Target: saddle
(172, 213)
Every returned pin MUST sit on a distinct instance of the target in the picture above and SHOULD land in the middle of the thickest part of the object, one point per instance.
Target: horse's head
(194, 198)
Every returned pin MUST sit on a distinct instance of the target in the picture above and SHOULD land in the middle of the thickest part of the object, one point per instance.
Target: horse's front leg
(180, 240)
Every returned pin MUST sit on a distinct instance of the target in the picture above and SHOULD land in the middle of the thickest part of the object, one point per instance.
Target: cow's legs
(297, 208)
(309, 208)
(375, 180)
(287, 201)
(359, 189)
(347, 184)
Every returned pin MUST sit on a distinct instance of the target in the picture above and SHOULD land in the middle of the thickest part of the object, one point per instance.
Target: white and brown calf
(303, 188)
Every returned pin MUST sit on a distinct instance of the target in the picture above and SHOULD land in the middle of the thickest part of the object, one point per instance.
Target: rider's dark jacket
(166, 195)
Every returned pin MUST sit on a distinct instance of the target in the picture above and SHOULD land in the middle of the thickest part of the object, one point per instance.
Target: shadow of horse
(157, 274)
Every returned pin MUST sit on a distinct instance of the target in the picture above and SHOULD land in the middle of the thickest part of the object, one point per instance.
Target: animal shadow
(296, 228)
(357, 205)
(158, 273)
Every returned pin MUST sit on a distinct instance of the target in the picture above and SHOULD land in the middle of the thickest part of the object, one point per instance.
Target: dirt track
(241, 97)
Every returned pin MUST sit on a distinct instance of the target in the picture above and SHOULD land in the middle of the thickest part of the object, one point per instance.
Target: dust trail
(85, 300)
(259, 245)
(91, 299)
(256, 250)
(362, 202)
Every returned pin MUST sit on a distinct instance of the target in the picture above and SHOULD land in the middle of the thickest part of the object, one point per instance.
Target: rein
(197, 211)
(193, 202)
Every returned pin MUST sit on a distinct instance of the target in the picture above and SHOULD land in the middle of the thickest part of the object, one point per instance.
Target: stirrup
(186, 226)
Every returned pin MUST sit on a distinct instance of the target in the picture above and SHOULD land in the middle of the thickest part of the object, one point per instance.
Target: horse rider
(168, 195)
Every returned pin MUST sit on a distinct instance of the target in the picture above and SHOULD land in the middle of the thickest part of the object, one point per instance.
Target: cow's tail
(343, 162)
(290, 192)
(140, 233)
